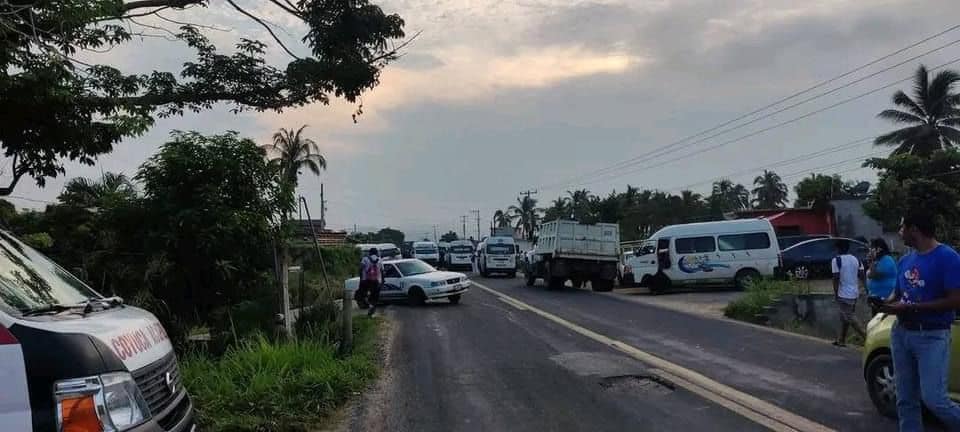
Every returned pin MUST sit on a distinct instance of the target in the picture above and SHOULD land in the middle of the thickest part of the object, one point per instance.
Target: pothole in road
(647, 384)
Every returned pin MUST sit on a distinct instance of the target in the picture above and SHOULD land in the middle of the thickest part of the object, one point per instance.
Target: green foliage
(930, 116)
(279, 386)
(54, 107)
(759, 294)
(818, 189)
(770, 191)
(40, 241)
(449, 237)
(385, 235)
(527, 216)
(728, 197)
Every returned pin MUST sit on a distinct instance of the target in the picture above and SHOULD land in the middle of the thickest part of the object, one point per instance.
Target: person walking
(846, 290)
(882, 271)
(371, 276)
(927, 293)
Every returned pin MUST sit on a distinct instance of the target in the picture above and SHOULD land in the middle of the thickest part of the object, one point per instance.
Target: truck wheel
(555, 283)
(627, 281)
(577, 283)
(512, 275)
(454, 299)
(531, 278)
(416, 297)
(602, 285)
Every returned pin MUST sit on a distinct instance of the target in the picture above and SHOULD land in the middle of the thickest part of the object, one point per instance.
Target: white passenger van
(497, 255)
(388, 251)
(427, 252)
(459, 255)
(705, 254)
(73, 360)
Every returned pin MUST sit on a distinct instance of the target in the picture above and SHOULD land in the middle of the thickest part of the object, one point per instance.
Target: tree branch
(140, 4)
(17, 174)
(288, 9)
(393, 52)
(269, 30)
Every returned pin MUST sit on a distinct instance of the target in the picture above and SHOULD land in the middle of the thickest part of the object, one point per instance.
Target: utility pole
(323, 210)
(529, 192)
(464, 220)
(477, 213)
(435, 233)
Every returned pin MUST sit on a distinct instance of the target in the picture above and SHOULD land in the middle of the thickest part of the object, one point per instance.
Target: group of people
(923, 291)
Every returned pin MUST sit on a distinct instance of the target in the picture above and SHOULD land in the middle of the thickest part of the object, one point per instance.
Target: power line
(765, 107)
(764, 130)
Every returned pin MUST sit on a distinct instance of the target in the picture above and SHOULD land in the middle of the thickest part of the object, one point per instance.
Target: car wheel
(743, 278)
(416, 297)
(454, 299)
(881, 385)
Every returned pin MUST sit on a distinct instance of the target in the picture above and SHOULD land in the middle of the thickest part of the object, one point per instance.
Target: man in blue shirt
(927, 293)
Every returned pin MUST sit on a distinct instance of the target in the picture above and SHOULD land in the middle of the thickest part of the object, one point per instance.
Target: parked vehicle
(705, 254)
(815, 256)
(569, 250)
(388, 251)
(787, 241)
(72, 359)
(406, 249)
(416, 282)
(427, 252)
(497, 255)
(878, 365)
(459, 255)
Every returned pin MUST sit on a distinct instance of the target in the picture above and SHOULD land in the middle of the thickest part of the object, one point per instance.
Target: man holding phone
(926, 296)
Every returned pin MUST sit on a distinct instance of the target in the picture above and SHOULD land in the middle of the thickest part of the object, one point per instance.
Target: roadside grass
(759, 294)
(295, 385)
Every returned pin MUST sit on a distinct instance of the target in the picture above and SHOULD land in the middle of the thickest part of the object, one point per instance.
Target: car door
(816, 257)
(392, 282)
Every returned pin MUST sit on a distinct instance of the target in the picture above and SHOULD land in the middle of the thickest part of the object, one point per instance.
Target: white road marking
(746, 405)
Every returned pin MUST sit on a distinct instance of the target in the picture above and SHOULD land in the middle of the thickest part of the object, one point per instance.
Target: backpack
(372, 271)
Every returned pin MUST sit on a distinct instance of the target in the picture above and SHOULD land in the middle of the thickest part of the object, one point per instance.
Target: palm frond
(897, 137)
(921, 85)
(311, 165)
(901, 99)
(950, 135)
(898, 116)
(939, 92)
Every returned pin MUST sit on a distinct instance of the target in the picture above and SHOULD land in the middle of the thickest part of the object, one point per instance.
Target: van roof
(722, 227)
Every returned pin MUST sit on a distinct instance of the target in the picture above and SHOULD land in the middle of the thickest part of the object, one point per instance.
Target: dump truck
(574, 251)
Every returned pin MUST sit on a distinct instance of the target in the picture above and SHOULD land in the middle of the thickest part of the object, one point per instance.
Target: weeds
(760, 293)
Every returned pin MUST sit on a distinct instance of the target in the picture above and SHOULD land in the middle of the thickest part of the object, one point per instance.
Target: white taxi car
(416, 282)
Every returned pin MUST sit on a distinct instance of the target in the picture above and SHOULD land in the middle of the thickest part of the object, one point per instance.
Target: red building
(796, 221)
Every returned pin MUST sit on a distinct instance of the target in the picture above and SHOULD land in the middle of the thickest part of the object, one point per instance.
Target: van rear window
(749, 241)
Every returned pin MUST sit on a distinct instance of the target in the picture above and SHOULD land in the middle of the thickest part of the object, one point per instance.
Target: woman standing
(882, 273)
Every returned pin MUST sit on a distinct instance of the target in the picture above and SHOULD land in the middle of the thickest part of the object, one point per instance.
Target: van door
(697, 260)
(748, 250)
(644, 261)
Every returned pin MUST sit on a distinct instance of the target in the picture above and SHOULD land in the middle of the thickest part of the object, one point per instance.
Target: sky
(499, 97)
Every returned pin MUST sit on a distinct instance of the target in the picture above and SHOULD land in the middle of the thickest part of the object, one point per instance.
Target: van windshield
(29, 280)
(426, 250)
(500, 249)
(461, 249)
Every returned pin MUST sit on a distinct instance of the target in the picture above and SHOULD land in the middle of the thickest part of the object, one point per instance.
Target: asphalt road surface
(518, 358)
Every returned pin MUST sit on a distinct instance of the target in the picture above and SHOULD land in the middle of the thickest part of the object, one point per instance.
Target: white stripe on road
(750, 407)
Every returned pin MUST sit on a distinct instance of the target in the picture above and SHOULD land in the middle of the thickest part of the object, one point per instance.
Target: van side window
(692, 245)
(750, 241)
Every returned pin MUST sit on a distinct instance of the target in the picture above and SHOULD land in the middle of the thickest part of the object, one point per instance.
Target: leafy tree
(390, 235)
(449, 236)
(579, 201)
(54, 106)
(527, 215)
(818, 189)
(559, 209)
(727, 197)
(931, 116)
(87, 193)
(770, 191)
(503, 219)
(211, 200)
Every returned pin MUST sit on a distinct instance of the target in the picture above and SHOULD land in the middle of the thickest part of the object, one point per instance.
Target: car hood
(438, 276)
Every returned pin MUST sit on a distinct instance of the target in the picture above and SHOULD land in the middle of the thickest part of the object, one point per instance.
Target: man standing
(371, 276)
(846, 290)
(927, 293)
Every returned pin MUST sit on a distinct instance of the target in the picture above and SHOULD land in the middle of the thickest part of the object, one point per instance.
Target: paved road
(489, 365)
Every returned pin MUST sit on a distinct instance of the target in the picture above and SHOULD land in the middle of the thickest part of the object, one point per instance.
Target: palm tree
(294, 153)
(579, 203)
(87, 193)
(503, 219)
(558, 209)
(931, 115)
(527, 215)
(770, 191)
(727, 197)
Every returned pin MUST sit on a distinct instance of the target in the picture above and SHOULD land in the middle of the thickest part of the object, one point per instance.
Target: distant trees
(503, 219)
(728, 197)
(931, 116)
(527, 216)
(770, 191)
(449, 236)
(818, 189)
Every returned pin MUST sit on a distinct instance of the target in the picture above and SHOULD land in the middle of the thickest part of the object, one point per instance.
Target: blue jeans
(921, 361)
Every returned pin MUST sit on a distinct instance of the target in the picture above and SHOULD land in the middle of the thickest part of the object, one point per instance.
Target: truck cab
(497, 255)
(427, 252)
(74, 360)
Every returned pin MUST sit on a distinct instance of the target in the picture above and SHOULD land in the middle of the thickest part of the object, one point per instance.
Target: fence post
(346, 331)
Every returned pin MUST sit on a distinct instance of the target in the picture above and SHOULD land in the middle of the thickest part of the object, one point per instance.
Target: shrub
(759, 294)
(294, 385)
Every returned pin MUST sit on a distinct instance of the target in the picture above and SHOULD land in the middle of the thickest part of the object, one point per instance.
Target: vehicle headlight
(109, 402)
(436, 284)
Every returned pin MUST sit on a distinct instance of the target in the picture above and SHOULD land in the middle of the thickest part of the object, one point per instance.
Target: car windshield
(499, 249)
(461, 249)
(29, 280)
(410, 268)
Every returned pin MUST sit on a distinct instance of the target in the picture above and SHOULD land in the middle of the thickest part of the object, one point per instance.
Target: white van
(71, 359)
(427, 252)
(497, 255)
(459, 255)
(388, 251)
(704, 254)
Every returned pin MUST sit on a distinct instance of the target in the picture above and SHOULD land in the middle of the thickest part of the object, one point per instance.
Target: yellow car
(878, 364)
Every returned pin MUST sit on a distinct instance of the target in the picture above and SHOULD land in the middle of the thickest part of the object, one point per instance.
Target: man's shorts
(848, 309)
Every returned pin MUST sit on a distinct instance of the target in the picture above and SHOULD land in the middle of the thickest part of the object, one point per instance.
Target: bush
(760, 293)
(260, 385)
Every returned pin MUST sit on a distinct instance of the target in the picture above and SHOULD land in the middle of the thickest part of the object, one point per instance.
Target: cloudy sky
(498, 97)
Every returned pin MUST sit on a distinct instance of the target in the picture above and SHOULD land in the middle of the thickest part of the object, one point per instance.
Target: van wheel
(416, 297)
(745, 277)
(881, 385)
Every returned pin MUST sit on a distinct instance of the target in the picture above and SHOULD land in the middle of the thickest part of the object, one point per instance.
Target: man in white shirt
(846, 289)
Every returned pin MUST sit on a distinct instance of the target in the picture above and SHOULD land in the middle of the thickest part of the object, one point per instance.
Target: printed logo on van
(697, 264)
(132, 343)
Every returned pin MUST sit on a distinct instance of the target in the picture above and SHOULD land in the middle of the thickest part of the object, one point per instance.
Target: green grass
(759, 294)
(295, 385)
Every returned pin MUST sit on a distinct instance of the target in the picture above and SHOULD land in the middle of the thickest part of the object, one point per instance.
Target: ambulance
(74, 360)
